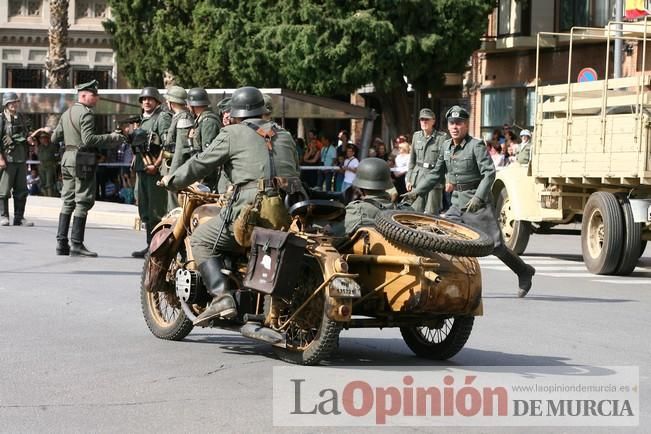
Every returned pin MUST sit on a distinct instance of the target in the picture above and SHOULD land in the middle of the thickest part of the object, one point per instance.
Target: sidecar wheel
(312, 336)
(163, 313)
(434, 234)
(439, 343)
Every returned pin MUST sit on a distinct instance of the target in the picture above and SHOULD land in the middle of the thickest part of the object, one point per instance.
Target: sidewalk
(103, 214)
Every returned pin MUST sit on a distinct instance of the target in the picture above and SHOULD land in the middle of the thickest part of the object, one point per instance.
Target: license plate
(345, 288)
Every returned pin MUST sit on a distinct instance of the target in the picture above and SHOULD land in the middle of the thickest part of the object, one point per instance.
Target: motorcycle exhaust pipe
(255, 331)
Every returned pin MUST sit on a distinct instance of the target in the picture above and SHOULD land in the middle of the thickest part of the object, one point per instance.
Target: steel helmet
(373, 174)
(8, 97)
(198, 97)
(151, 92)
(176, 94)
(224, 106)
(247, 102)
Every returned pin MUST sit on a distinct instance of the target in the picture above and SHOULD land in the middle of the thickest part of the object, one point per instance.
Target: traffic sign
(587, 74)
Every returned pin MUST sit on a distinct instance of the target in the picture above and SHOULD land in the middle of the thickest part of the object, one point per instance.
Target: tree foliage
(322, 47)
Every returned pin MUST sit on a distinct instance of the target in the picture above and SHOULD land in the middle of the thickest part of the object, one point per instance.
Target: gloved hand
(117, 137)
(474, 204)
(410, 196)
(164, 181)
(6, 140)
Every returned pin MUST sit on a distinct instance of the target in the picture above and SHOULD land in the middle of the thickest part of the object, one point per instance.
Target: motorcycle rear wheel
(162, 312)
(311, 336)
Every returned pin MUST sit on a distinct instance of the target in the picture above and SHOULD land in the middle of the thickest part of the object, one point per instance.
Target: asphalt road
(76, 355)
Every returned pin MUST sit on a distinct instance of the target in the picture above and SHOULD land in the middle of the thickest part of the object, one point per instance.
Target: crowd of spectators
(504, 145)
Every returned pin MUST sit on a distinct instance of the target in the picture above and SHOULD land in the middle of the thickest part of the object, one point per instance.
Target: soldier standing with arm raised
(152, 199)
(76, 129)
(471, 172)
(425, 148)
(14, 149)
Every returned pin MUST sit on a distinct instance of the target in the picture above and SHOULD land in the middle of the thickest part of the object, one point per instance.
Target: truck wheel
(602, 233)
(515, 232)
(439, 343)
(632, 241)
(642, 248)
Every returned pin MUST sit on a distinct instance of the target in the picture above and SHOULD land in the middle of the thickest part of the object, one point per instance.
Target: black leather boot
(4, 211)
(77, 238)
(19, 212)
(63, 248)
(223, 304)
(143, 252)
(524, 271)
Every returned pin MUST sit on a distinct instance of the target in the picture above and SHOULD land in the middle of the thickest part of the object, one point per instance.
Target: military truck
(591, 162)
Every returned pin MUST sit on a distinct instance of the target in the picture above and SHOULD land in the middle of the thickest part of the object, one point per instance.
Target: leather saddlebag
(275, 257)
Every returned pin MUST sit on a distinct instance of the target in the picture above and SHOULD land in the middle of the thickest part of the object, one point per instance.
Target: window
(91, 9)
(513, 106)
(80, 76)
(514, 17)
(21, 78)
(585, 13)
(25, 8)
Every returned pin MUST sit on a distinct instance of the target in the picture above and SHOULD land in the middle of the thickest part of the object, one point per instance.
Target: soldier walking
(425, 149)
(471, 172)
(152, 199)
(76, 129)
(14, 149)
(177, 137)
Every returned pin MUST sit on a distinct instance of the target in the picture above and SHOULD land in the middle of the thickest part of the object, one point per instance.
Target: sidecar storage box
(274, 262)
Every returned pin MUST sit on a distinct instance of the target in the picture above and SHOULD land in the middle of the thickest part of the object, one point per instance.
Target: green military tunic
(524, 154)
(48, 167)
(425, 152)
(152, 199)
(177, 144)
(206, 127)
(14, 149)
(76, 129)
(363, 212)
(468, 166)
(244, 157)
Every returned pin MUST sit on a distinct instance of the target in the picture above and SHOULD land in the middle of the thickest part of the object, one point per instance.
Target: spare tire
(434, 234)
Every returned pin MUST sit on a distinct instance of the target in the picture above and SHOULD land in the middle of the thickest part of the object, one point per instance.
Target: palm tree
(57, 64)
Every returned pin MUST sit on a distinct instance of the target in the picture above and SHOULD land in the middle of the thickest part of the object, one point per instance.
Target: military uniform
(362, 212)
(425, 151)
(243, 154)
(472, 172)
(152, 199)
(76, 129)
(48, 166)
(177, 143)
(206, 128)
(524, 153)
(14, 150)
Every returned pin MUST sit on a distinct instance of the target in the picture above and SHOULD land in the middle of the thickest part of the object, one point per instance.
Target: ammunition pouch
(85, 164)
(268, 210)
(274, 256)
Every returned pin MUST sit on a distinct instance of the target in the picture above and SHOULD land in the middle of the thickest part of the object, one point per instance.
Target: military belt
(71, 148)
(425, 164)
(467, 186)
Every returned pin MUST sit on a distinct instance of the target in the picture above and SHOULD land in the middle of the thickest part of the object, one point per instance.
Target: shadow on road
(562, 256)
(565, 299)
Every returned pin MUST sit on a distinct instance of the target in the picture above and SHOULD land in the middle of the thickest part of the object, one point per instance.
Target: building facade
(501, 82)
(24, 43)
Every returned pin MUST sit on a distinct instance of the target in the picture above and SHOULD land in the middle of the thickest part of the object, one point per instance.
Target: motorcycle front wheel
(162, 311)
